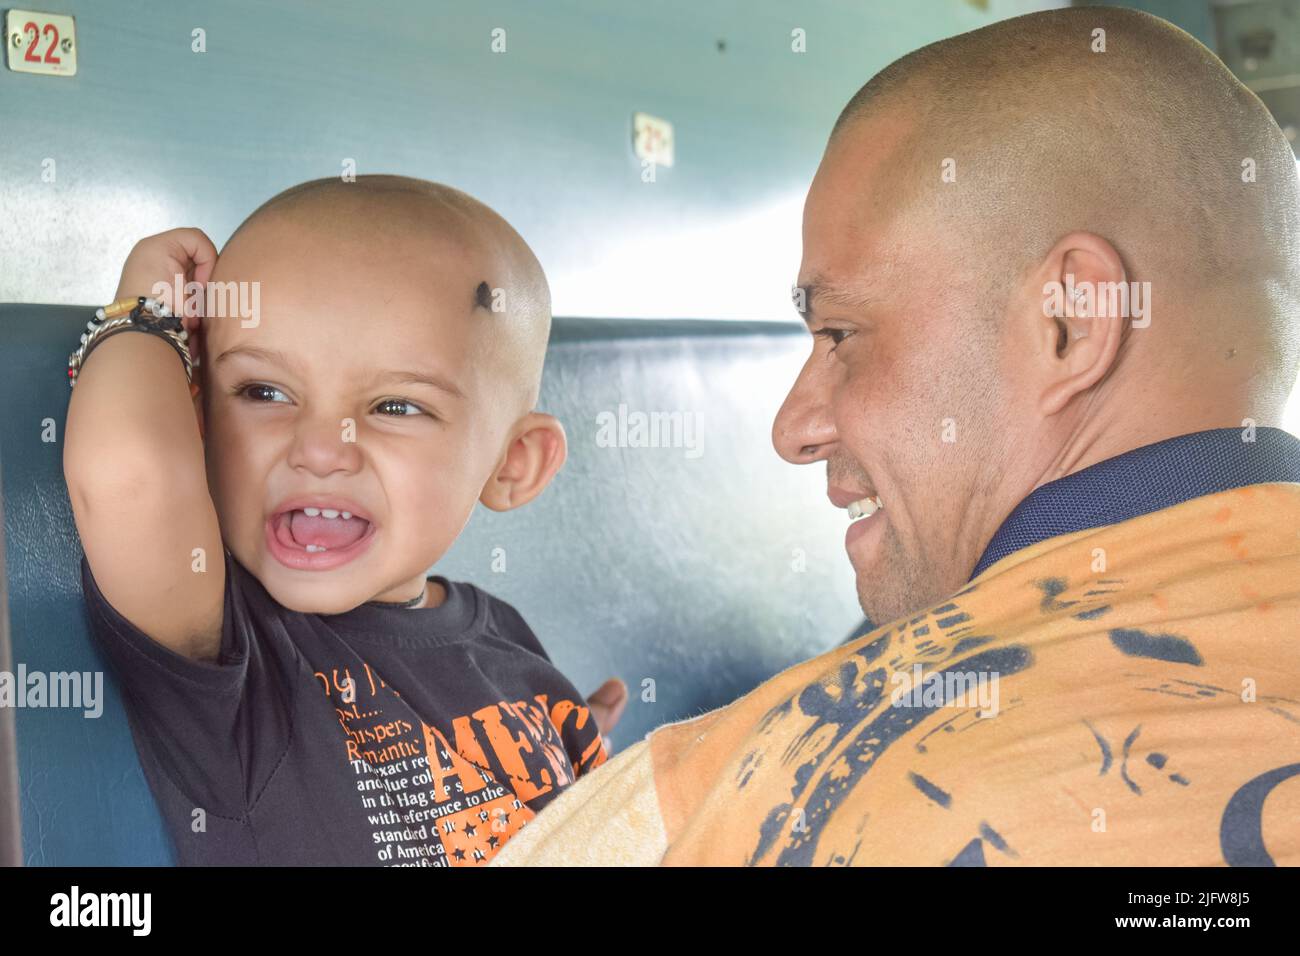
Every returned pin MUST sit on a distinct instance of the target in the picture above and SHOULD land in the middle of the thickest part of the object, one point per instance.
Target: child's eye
(402, 408)
(262, 394)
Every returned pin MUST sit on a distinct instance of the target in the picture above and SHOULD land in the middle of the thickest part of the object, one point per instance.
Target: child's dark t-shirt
(380, 736)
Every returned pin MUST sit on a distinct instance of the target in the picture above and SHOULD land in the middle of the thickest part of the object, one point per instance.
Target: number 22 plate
(41, 43)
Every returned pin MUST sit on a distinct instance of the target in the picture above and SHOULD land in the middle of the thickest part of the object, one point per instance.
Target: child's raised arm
(134, 466)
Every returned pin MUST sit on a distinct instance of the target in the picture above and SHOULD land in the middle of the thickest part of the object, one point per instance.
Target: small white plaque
(40, 43)
(652, 139)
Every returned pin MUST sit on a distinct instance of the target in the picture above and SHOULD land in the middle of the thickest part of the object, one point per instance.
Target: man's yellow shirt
(1127, 695)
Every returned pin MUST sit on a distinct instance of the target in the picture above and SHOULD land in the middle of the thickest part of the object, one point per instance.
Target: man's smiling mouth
(860, 507)
(864, 507)
(861, 503)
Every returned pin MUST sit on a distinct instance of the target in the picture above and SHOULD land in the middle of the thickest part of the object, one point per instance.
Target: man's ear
(535, 453)
(1076, 338)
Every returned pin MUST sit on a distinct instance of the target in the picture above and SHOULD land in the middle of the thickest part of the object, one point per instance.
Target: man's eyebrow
(817, 289)
(385, 376)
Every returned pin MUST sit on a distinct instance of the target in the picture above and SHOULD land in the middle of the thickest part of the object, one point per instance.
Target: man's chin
(887, 591)
(886, 598)
(875, 611)
(875, 576)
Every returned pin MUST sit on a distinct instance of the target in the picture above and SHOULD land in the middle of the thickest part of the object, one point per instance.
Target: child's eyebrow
(418, 377)
(385, 376)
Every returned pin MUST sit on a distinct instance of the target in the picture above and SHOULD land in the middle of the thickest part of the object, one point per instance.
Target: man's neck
(1105, 436)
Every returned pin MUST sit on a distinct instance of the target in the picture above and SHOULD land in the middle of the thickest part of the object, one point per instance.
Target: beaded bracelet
(130, 315)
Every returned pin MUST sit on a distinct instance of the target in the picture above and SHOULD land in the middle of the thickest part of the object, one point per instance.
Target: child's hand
(186, 253)
(607, 705)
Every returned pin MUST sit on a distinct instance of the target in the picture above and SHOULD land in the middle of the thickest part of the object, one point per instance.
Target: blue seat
(693, 571)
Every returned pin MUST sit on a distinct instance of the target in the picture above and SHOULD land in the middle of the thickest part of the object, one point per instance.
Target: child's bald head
(476, 260)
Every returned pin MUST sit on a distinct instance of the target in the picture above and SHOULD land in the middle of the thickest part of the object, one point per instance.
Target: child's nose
(323, 445)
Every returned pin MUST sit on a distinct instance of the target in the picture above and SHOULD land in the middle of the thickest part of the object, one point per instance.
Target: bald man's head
(1091, 145)
(1115, 122)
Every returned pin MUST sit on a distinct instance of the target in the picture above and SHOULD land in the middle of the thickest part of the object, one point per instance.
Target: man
(1087, 559)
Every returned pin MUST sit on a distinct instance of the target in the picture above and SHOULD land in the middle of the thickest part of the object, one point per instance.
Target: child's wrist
(126, 315)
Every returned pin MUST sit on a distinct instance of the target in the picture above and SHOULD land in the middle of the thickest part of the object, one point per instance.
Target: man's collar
(1143, 480)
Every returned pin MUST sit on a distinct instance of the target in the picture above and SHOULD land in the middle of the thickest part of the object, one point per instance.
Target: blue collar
(1143, 480)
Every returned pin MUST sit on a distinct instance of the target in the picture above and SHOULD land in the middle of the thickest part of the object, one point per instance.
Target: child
(255, 562)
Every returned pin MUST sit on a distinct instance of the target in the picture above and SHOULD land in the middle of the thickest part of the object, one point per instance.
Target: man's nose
(804, 430)
(324, 444)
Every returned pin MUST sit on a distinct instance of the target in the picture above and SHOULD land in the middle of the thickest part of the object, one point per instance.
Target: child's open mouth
(315, 538)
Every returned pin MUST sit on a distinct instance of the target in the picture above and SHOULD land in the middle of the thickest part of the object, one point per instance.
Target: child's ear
(535, 453)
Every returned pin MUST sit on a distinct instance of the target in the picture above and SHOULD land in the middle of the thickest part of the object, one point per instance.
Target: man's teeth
(864, 507)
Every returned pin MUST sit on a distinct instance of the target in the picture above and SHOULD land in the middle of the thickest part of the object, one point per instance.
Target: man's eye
(257, 392)
(835, 336)
(398, 408)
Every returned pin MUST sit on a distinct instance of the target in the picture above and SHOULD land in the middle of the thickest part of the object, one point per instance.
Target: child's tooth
(329, 513)
(311, 512)
(346, 514)
(316, 547)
